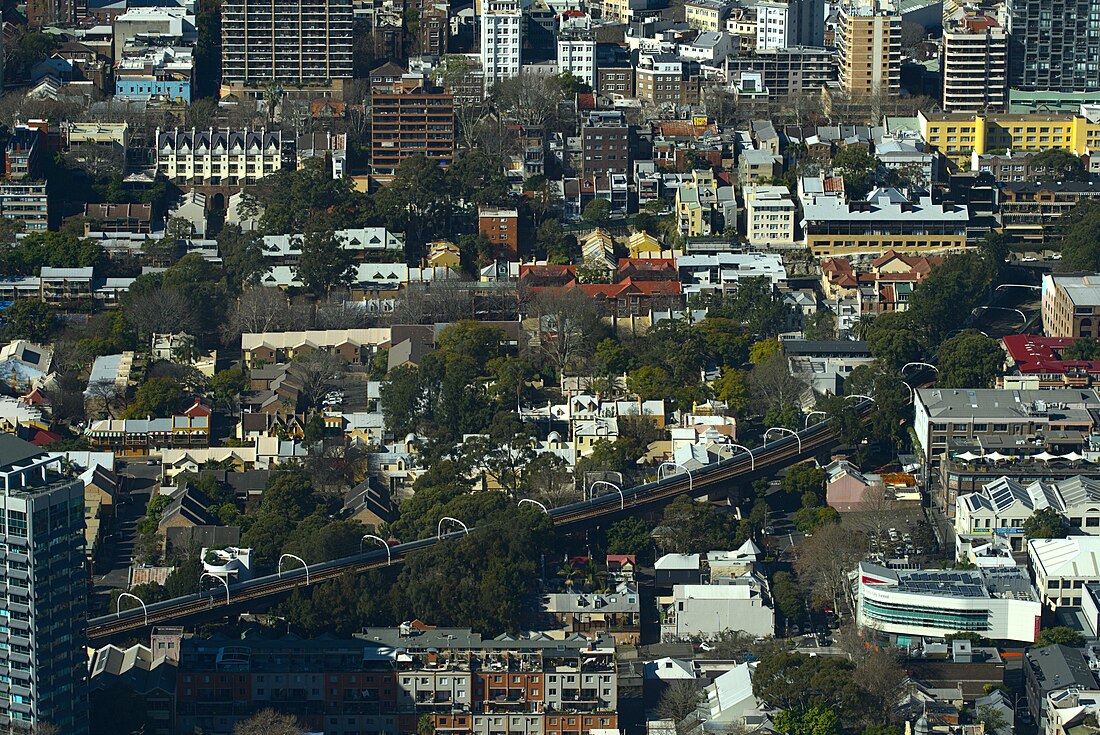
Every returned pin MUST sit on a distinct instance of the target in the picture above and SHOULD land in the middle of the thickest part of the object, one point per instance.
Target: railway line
(773, 455)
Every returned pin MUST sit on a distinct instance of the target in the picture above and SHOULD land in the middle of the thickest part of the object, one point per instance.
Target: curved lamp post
(220, 579)
(912, 392)
(118, 605)
(789, 431)
(379, 539)
(813, 413)
(292, 556)
(617, 489)
(860, 395)
(928, 365)
(675, 465)
(744, 449)
(1023, 316)
(534, 502)
(439, 526)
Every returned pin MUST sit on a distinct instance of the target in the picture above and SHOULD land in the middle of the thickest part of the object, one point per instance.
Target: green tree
(950, 293)
(325, 263)
(650, 382)
(991, 717)
(227, 384)
(821, 325)
(797, 683)
(478, 177)
(1083, 348)
(858, 167)
(481, 580)
(629, 536)
(1045, 523)
(724, 340)
(597, 212)
(808, 520)
(403, 399)
(156, 398)
(817, 720)
(309, 198)
(732, 387)
(242, 255)
(892, 339)
(1081, 240)
(611, 357)
(689, 527)
(788, 597)
(28, 319)
(994, 248)
(969, 360)
(1060, 164)
(762, 350)
(287, 500)
(184, 579)
(804, 477)
(756, 305)
(1060, 635)
(418, 202)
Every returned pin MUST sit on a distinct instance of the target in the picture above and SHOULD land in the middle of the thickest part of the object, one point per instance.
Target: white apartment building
(708, 609)
(216, 157)
(154, 25)
(577, 55)
(1002, 507)
(26, 202)
(997, 603)
(1061, 567)
(975, 65)
(721, 272)
(769, 215)
(771, 25)
(501, 40)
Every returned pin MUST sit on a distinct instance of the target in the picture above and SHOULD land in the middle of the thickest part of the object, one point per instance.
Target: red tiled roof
(42, 437)
(586, 102)
(1035, 354)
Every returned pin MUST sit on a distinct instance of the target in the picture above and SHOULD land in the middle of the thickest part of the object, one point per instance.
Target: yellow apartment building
(957, 135)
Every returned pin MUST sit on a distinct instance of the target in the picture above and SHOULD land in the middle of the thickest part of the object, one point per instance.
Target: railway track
(771, 456)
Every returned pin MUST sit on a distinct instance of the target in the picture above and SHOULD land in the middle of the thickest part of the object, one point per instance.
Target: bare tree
(259, 309)
(567, 319)
(440, 301)
(912, 34)
(772, 384)
(99, 161)
(824, 560)
(316, 370)
(336, 468)
(548, 479)
(161, 310)
(877, 514)
(679, 703)
(269, 722)
(530, 99)
(880, 675)
(341, 315)
(105, 396)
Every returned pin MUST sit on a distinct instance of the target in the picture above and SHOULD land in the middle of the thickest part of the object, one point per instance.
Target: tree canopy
(1045, 523)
